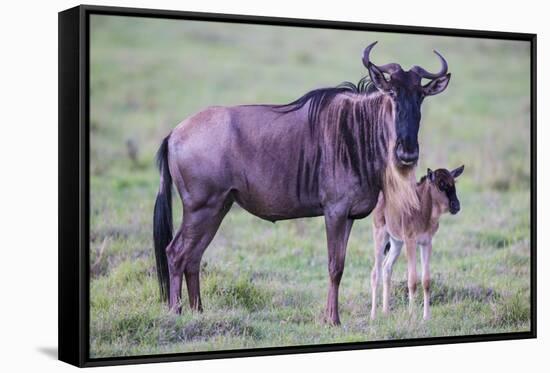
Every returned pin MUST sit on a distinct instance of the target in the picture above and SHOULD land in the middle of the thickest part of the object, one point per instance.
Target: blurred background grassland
(263, 284)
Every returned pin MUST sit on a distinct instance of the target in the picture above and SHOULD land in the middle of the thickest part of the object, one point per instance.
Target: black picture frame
(74, 156)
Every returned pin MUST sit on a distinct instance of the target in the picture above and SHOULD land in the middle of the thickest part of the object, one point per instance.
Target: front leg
(410, 246)
(381, 238)
(338, 227)
(425, 255)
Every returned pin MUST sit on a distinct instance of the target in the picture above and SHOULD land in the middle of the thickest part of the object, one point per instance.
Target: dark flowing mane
(320, 98)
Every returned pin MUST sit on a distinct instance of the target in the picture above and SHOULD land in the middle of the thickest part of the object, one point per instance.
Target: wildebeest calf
(437, 195)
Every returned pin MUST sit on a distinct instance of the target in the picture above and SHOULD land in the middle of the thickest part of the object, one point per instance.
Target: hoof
(196, 307)
(332, 321)
(176, 310)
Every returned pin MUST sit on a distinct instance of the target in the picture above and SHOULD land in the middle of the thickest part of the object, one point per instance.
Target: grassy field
(265, 284)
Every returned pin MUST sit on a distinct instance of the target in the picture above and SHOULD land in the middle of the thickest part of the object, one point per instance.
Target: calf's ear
(430, 174)
(437, 85)
(457, 171)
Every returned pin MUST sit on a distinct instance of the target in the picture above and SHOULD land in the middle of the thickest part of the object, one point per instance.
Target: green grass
(265, 284)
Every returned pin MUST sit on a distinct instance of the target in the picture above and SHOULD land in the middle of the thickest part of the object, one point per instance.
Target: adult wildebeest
(328, 153)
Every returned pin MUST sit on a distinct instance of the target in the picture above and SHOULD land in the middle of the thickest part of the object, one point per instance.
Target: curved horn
(388, 68)
(424, 74)
(366, 54)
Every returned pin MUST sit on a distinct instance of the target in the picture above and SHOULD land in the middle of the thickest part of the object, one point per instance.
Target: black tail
(162, 219)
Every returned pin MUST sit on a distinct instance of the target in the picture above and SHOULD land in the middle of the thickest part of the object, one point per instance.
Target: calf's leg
(381, 238)
(387, 270)
(425, 255)
(410, 246)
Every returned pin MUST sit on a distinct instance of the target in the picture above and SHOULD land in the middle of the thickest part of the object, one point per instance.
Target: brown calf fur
(437, 195)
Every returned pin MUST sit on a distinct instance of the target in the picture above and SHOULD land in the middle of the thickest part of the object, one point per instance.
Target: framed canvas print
(233, 186)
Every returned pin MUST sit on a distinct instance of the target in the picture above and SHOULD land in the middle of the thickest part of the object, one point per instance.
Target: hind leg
(425, 254)
(175, 276)
(184, 256)
(410, 247)
(387, 270)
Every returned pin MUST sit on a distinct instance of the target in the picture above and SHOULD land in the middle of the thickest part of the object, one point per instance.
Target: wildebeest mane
(320, 98)
(345, 126)
(359, 139)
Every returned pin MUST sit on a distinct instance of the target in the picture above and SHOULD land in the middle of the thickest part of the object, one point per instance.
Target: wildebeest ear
(430, 174)
(457, 171)
(378, 79)
(437, 85)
